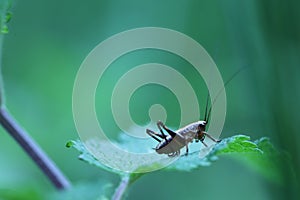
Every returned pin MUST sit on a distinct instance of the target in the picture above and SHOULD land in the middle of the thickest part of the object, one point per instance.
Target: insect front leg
(204, 143)
(210, 137)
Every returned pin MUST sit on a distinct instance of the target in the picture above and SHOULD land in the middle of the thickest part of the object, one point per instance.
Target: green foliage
(120, 162)
(99, 190)
(234, 144)
(261, 34)
(268, 162)
(259, 154)
(5, 15)
(85, 190)
(20, 193)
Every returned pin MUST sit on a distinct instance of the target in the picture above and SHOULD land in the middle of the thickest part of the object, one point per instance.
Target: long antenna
(206, 107)
(218, 94)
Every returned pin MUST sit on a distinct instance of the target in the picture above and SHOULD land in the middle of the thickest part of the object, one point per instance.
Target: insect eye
(201, 126)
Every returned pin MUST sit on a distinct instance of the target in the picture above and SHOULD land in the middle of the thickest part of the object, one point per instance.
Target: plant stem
(33, 150)
(120, 191)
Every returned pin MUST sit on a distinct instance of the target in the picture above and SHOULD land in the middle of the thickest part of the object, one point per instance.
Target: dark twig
(26, 142)
(33, 150)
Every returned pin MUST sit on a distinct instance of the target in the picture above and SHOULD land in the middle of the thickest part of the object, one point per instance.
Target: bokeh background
(48, 40)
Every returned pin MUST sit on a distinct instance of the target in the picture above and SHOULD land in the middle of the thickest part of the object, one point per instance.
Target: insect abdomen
(170, 145)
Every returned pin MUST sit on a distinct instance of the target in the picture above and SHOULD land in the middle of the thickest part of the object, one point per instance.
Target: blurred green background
(48, 40)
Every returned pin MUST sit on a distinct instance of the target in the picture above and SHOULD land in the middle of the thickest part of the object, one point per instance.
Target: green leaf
(259, 155)
(234, 144)
(268, 163)
(238, 143)
(86, 156)
(122, 164)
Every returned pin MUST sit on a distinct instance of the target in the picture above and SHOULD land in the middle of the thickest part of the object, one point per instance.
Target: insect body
(176, 140)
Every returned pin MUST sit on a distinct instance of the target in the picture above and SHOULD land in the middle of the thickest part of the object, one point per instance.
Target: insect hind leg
(161, 125)
(154, 135)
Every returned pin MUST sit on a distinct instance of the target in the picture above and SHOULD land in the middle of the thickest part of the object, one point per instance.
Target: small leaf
(8, 17)
(134, 176)
(5, 15)
(4, 29)
(238, 143)
(70, 144)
